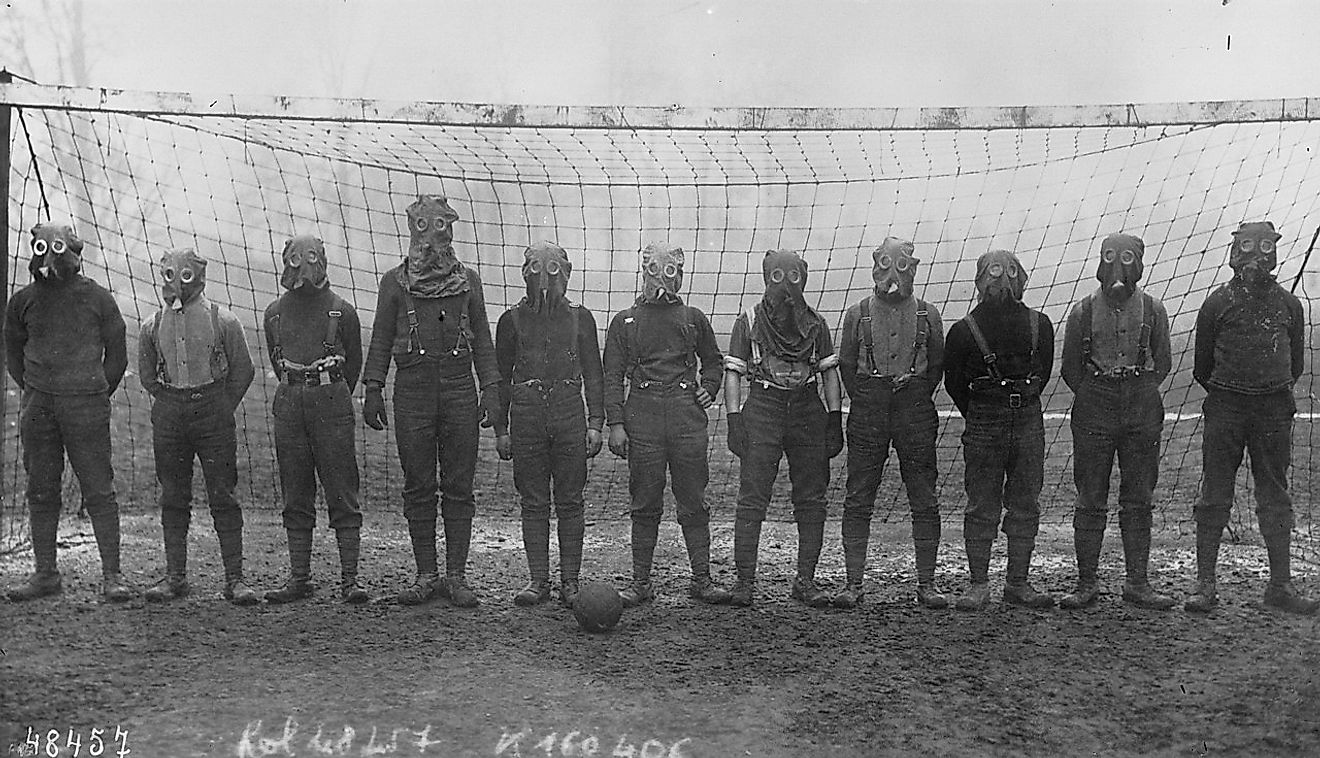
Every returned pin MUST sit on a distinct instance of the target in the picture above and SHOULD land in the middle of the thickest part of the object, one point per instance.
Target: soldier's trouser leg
(689, 473)
(417, 429)
(459, 434)
(1095, 432)
(1224, 438)
(568, 452)
(213, 435)
(85, 428)
(765, 420)
(809, 475)
(43, 460)
(645, 422)
(868, 449)
(1139, 467)
(1024, 479)
(985, 455)
(334, 445)
(914, 442)
(531, 477)
(174, 453)
(1270, 446)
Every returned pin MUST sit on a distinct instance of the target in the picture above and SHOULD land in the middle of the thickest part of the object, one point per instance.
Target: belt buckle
(1015, 400)
(312, 379)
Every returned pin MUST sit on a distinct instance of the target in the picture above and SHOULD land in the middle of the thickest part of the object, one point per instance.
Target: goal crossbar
(673, 117)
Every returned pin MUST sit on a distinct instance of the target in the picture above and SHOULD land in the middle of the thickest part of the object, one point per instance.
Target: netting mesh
(236, 188)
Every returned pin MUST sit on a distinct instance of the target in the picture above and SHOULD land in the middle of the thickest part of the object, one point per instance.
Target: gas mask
(1253, 255)
(546, 269)
(56, 252)
(662, 273)
(894, 270)
(304, 264)
(785, 276)
(183, 276)
(1000, 277)
(431, 230)
(1120, 265)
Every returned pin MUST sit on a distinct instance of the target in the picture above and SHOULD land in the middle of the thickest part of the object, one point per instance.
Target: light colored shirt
(194, 347)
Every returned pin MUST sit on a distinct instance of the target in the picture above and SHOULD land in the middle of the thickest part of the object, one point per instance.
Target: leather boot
(1136, 556)
(38, 584)
(454, 587)
(299, 584)
(977, 595)
(349, 540)
(1017, 590)
(811, 537)
(1204, 595)
(421, 533)
(644, 537)
(926, 548)
(746, 545)
(175, 582)
(1087, 544)
(572, 533)
(1281, 594)
(114, 589)
(231, 555)
(536, 542)
(854, 563)
(702, 587)
(105, 525)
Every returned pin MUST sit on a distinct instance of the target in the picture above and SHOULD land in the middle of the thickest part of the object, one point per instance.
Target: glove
(737, 434)
(373, 408)
(504, 447)
(618, 440)
(834, 443)
(489, 406)
(593, 442)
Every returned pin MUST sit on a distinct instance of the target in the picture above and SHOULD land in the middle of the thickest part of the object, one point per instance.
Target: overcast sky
(750, 52)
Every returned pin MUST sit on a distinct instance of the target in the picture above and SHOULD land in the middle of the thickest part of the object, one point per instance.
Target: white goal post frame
(674, 117)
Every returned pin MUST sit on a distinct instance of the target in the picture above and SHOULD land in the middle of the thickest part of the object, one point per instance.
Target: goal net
(139, 173)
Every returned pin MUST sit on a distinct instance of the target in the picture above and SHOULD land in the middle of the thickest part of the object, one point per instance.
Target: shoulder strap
(1033, 318)
(276, 346)
(414, 339)
(923, 333)
(162, 369)
(1147, 326)
(689, 336)
(219, 362)
(574, 313)
(751, 337)
(1086, 313)
(987, 355)
(868, 338)
(332, 330)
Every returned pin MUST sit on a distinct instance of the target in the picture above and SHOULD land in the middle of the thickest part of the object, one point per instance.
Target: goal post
(137, 173)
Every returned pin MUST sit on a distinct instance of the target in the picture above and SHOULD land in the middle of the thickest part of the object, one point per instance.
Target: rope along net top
(139, 173)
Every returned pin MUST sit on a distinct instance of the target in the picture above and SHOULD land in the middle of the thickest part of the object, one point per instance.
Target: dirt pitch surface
(199, 677)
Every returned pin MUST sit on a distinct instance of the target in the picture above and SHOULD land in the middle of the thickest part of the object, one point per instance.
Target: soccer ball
(597, 607)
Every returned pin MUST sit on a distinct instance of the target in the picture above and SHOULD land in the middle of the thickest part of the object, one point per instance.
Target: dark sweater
(1007, 329)
(441, 330)
(303, 319)
(539, 348)
(1249, 340)
(66, 339)
(669, 337)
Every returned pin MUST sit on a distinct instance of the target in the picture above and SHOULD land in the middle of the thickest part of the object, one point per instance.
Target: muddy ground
(201, 678)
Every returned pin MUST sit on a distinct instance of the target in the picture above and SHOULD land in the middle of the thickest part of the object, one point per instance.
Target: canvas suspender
(1147, 307)
(218, 364)
(988, 355)
(414, 339)
(918, 343)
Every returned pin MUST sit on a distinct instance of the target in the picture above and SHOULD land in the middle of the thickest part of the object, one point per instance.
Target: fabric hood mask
(1000, 277)
(784, 323)
(894, 270)
(1121, 265)
(183, 277)
(662, 274)
(546, 269)
(432, 270)
(56, 252)
(1253, 255)
(304, 264)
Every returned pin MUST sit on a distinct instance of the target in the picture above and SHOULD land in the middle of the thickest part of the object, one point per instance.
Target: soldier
(655, 345)
(431, 322)
(997, 362)
(1115, 355)
(784, 348)
(66, 351)
(891, 362)
(315, 345)
(547, 353)
(193, 360)
(1250, 350)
